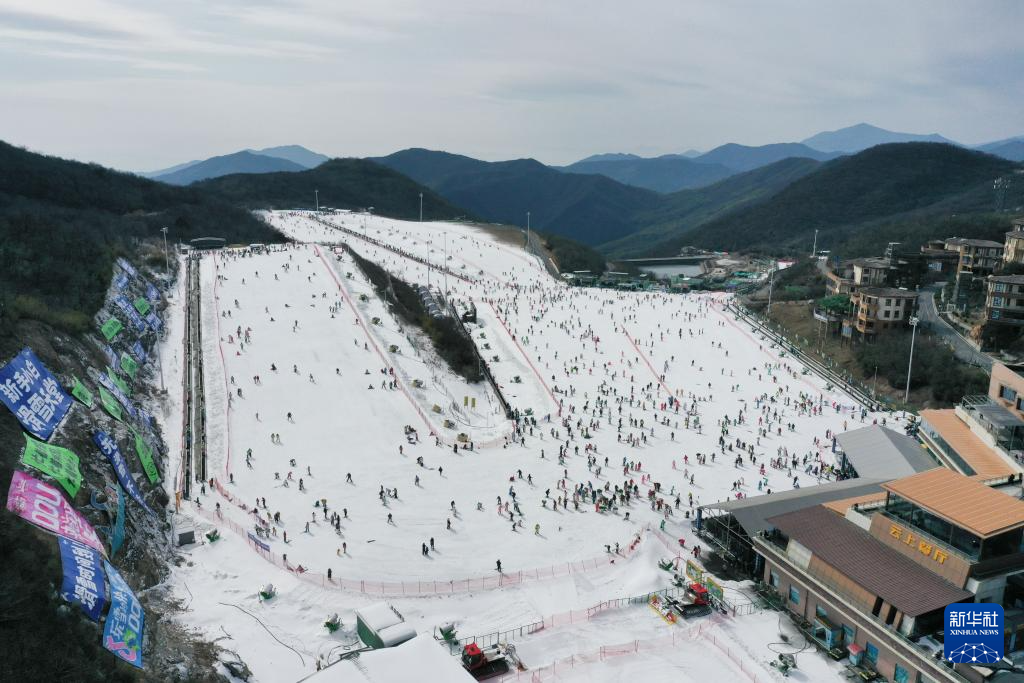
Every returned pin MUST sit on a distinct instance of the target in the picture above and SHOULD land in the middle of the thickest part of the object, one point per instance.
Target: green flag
(59, 463)
(82, 393)
(111, 328)
(118, 381)
(110, 404)
(145, 454)
(142, 306)
(129, 365)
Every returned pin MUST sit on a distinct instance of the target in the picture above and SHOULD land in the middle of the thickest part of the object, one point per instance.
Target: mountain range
(267, 160)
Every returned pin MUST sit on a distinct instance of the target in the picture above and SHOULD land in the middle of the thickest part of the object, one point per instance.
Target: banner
(45, 506)
(109, 448)
(122, 634)
(83, 583)
(694, 572)
(57, 462)
(145, 454)
(121, 281)
(141, 305)
(82, 393)
(110, 404)
(115, 388)
(30, 392)
(118, 382)
(154, 321)
(152, 293)
(139, 352)
(126, 267)
(111, 328)
(129, 365)
(126, 307)
(113, 360)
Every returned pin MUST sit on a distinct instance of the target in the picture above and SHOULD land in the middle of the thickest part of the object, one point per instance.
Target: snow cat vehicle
(484, 663)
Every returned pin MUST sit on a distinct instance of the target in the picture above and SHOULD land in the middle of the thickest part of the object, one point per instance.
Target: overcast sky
(145, 84)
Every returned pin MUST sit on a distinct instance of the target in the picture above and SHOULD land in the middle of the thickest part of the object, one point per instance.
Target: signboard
(920, 544)
(126, 267)
(45, 506)
(82, 393)
(714, 589)
(57, 462)
(109, 448)
(111, 328)
(152, 293)
(154, 321)
(139, 352)
(30, 392)
(145, 454)
(110, 404)
(83, 583)
(694, 572)
(122, 633)
(973, 633)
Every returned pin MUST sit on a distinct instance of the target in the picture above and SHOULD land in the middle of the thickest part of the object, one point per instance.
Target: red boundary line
(526, 357)
(646, 361)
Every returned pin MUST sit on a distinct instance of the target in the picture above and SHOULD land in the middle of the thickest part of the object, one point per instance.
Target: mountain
(615, 156)
(691, 154)
(893, 190)
(170, 169)
(1011, 148)
(295, 153)
(667, 173)
(587, 208)
(740, 158)
(239, 162)
(62, 223)
(352, 184)
(862, 136)
(677, 214)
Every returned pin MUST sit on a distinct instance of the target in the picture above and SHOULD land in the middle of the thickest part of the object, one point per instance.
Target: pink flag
(46, 507)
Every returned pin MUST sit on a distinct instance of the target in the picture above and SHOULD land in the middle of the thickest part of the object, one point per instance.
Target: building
(1004, 299)
(420, 659)
(381, 625)
(877, 452)
(1013, 246)
(879, 309)
(1006, 388)
(870, 580)
(978, 258)
(861, 272)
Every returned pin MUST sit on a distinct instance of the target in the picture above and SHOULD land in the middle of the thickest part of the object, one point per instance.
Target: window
(900, 675)
(773, 579)
(849, 634)
(871, 653)
(1007, 394)
(794, 595)
(820, 611)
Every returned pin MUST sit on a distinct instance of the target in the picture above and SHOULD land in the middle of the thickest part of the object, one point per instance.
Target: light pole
(167, 260)
(814, 249)
(528, 230)
(771, 281)
(316, 197)
(910, 364)
(421, 207)
(874, 381)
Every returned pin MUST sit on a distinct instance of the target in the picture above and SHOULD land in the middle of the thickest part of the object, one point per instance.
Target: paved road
(940, 328)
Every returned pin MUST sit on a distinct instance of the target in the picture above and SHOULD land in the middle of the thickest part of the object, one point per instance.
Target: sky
(143, 85)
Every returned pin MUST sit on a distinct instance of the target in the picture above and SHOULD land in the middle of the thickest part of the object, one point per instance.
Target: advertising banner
(141, 305)
(117, 381)
(152, 293)
(121, 281)
(59, 463)
(33, 394)
(129, 365)
(83, 583)
(145, 454)
(126, 267)
(117, 389)
(154, 321)
(110, 404)
(694, 571)
(109, 448)
(45, 506)
(82, 393)
(138, 352)
(126, 307)
(113, 360)
(111, 328)
(122, 633)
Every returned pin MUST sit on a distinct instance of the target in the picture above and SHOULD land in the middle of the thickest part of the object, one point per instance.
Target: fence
(424, 587)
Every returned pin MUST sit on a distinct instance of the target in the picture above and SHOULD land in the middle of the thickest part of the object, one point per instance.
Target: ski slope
(578, 359)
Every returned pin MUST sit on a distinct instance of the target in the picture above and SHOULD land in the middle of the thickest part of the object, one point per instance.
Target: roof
(379, 616)
(418, 659)
(975, 453)
(843, 504)
(871, 262)
(973, 242)
(752, 513)
(868, 562)
(888, 291)
(1009, 279)
(880, 453)
(965, 501)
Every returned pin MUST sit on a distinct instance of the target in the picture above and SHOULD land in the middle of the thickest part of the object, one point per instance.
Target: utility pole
(910, 363)
(814, 249)
(316, 196)
(445, 271)
(421, 207)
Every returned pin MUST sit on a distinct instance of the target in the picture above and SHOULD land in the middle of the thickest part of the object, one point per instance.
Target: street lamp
(316, 197)
(771, 281)
(421, 207)
(167, 260)
(910, 364)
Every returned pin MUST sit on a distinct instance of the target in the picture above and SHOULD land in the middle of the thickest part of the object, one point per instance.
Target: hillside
(1012, 149)
(861, 136)
(239, 162)
(588, 208)
(668, 173)
(740, 158)
(294, 153)
(681, 212)
(343, 184)
(62, 223)
(890, 183)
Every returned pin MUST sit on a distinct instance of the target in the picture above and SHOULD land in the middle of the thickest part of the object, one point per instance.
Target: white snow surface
(302, 309)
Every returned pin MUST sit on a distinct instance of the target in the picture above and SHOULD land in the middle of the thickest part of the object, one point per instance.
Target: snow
(569, 348)
(419, 658)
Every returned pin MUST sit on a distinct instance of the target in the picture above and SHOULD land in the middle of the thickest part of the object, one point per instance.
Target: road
(929, 315)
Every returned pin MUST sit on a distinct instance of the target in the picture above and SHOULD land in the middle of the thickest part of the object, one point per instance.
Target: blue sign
(113, 360)
(83, 582)
(30, 392)
(154, 321)
(122, 634)
(126, 307)
(139, 352)
(152, 293)
(109, 448)
(121, 281)
(127, 267)
(973, 633)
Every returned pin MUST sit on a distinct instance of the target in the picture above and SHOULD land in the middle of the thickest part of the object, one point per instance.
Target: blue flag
(33, 394)
(83, 582)
(109, 448)
(122, 634)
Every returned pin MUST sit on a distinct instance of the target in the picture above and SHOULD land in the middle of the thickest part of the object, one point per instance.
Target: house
(978, 258)
(879, 309)
(1004, 299)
